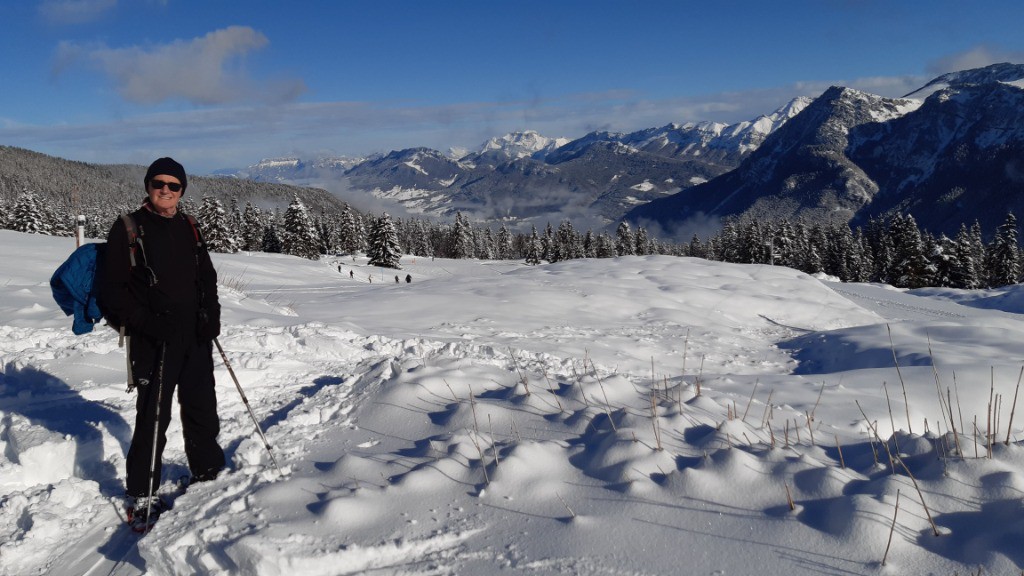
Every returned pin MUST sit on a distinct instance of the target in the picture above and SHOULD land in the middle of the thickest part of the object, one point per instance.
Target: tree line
(891, 250)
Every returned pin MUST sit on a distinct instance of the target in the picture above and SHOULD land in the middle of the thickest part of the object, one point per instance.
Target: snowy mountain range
(949, 154)
(527, 176)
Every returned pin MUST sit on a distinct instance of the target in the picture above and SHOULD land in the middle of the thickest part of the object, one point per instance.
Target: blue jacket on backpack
(73, 286)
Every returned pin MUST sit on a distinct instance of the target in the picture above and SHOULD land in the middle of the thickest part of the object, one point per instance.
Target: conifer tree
(1004, 255)
(625, 244)
(213, 221)
(533, 248)
(383, 249)
(27, 215)
(462, 238)
(299, 235)
(252, 228)
(910, 267)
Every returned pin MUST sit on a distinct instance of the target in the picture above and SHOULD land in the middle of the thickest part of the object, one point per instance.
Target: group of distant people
(352, 275)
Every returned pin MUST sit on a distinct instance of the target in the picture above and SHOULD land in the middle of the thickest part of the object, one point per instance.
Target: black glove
(207, 331)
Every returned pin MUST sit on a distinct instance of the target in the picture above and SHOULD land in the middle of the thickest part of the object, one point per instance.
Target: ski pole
(246, 402)
(156, 429)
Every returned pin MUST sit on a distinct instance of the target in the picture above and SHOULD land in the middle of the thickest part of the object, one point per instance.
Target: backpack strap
(134, 238)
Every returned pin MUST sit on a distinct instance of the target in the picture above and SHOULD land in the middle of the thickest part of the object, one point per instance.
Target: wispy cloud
(238, 135)
(207, 70)
(74, 11)
(976, 57)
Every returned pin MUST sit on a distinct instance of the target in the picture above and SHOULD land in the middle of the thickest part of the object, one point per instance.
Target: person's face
(163, 199)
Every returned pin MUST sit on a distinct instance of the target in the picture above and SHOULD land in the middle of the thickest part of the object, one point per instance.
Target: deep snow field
(633, 416)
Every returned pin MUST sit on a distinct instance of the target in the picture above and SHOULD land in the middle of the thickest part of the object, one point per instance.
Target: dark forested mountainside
(90, 188)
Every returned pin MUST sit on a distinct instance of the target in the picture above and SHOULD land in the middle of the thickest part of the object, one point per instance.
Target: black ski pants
(187, 367)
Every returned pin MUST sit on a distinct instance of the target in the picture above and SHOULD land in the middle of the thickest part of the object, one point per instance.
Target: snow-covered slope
(640, 415)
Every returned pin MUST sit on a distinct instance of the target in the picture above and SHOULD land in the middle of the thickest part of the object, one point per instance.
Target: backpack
(73, 284)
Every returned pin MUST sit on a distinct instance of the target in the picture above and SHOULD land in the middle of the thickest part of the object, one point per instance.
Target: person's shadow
(48, 402)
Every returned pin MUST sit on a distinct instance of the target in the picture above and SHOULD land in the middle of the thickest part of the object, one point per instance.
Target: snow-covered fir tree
(534, 249)
(215, 226)
(28, 216)
(462, 242)
(624, 242)
(298, 236)
(251, 228)
(383, 249)
(1004, 254)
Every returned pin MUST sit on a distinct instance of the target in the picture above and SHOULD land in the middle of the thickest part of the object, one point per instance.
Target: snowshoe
(143, 512)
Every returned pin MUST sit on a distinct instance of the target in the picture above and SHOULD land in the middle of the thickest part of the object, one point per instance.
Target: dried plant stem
(892, 528)
(818, 401)
(494, 444)
(750, 400)
(842, 463)
(771, 434)
(906, 402)
(956, 436)
(551, 389)
(810, 428)
(892, 421)
(789, 498)
(607, 404)
(700, 374)
(988, 425)
(655, 422)
(454, 395)
(522, 378)
(892, 461)
(487, 478)
(767, 408)
(571, 513)
(1013, 408)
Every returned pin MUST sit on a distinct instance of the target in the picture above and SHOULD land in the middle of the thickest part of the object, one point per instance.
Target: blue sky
(221, 84)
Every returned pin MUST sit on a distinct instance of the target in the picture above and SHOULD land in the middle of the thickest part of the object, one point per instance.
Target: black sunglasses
(158, 184)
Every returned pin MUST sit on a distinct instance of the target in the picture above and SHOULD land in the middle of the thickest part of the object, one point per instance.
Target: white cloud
(74, 11)
(976, 57)
(206, 70)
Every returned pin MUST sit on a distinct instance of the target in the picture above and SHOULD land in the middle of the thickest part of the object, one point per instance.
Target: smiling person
(159, 285)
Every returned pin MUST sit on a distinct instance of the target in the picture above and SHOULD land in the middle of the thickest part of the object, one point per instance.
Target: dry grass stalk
(789, 497)
(988, 425)
(487, 477)
(893, 461)
(956, 436)
(818, 401)
(767, 408)
(454, 395)
(551, 389)
(607, 404)
(1013, 408)
(494, 443)
(892, 528)
(892, 421)
(515, 429)
(810, 428)
(750, 400)
(580, 383)
(655, 422)
(787, 433)
(842, 463)
(571, 513)
(682, 377)
(771, 433)
(522, 378)
(906, 402)
(938, 386)
(700, 375)
(796, 428)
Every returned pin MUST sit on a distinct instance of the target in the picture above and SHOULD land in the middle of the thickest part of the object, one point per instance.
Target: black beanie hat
(169, 167)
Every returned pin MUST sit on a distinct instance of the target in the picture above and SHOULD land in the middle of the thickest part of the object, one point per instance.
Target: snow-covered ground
(642, 415)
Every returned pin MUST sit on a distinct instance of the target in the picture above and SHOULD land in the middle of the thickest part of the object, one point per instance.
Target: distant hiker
(351, 274)
(396, 279)
(408, 278)
(163, 288)
(339, 268)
